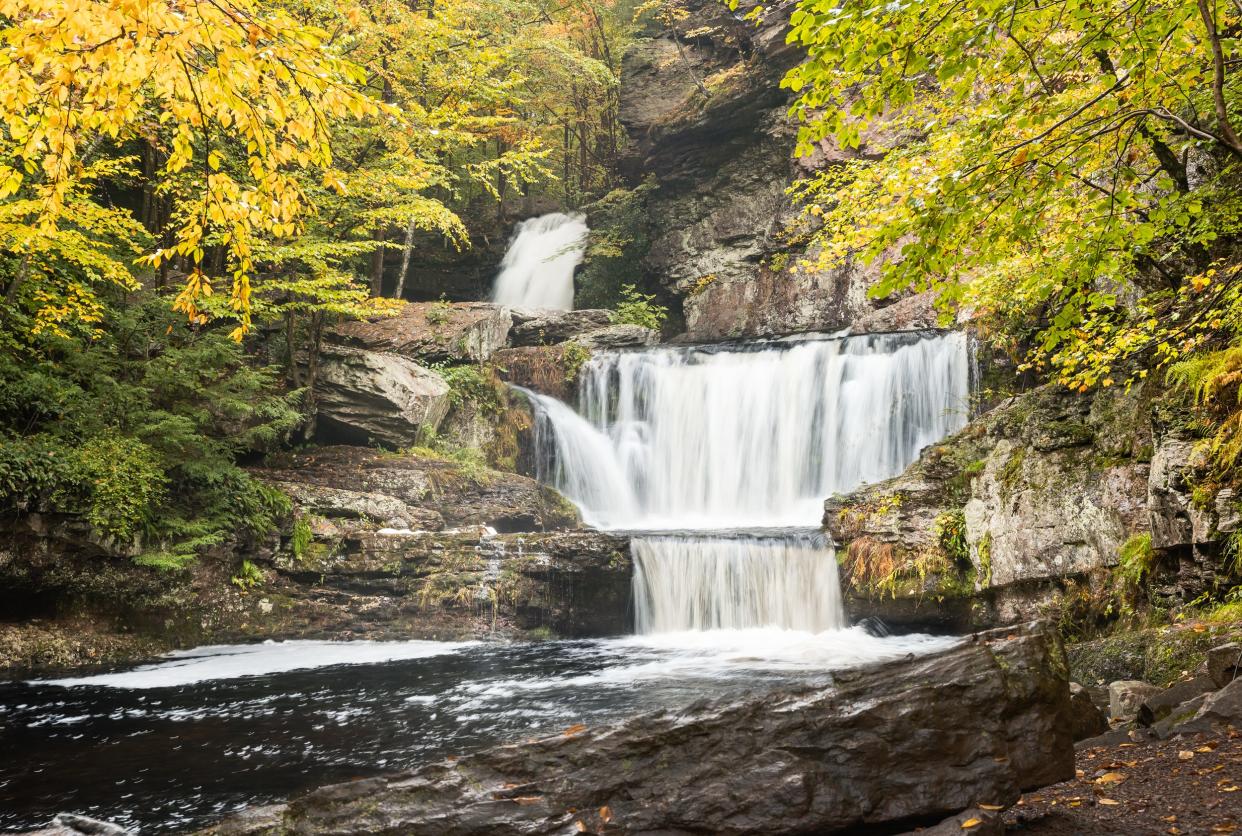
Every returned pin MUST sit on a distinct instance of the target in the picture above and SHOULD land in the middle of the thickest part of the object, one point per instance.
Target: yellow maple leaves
(212, 74)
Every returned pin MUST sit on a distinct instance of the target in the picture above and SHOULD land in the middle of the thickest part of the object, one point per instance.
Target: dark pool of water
(157, 750)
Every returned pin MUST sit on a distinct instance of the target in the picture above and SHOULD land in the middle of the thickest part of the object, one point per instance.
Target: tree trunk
(405, 259)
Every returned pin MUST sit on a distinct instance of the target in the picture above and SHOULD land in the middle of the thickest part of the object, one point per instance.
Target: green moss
(985, 560)
(573, 358)
(1011, 472)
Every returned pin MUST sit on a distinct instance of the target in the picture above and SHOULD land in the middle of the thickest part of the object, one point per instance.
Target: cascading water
(538, 268)
(705, 439)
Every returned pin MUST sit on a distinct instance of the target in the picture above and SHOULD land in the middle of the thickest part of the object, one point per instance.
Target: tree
(1066, 170)
(80, 79)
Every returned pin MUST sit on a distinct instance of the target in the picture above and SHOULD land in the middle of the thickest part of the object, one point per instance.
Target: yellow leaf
(1108, 802)
(990, 806)
(1185, 755)
(1110, 778)
(971, 822)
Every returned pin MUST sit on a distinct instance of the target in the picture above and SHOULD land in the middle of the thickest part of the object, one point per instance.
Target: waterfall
(696, 441)
(715, 583)
(538, 268)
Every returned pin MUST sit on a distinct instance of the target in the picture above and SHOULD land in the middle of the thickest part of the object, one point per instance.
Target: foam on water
(216, 662)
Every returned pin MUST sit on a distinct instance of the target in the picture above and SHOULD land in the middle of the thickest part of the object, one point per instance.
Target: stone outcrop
(432, 332)
(1049, 485)
(457, 584)
(544, 327)
(414, 491)
(903, 743)
(370, 397)
(709, 121)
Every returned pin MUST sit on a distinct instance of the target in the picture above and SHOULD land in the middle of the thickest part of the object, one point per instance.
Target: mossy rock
(1155, 655)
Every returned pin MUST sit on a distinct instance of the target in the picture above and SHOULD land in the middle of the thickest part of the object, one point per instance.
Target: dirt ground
(1178, 786)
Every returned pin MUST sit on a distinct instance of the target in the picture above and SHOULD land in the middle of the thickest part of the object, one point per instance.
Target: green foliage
(638, 308)
(1136, 560)
(950, 531)
(137, 429)
(1067, 171)
(1213, 381)
(474, 385)
(248, 576)
(619, 240)
(301, 538)
(573, 358)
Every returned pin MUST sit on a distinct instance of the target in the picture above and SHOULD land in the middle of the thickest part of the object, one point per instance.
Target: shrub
(637, 308)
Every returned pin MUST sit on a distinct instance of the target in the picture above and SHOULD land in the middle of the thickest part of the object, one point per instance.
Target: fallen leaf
(1110, 778)
(990, 806)
(605, 814)
(1229, 789)
(971, 822)
(1207, 748)
(1109, 802)
(1185, 755)
(1174, 831)
(581, 825)
(526, 800)
(576, 728)
(1224, 828)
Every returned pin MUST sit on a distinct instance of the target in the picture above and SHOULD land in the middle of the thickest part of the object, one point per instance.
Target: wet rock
(899, 743)
(1127, 696)
(543, 327)
(368, 397)
(345, 481)
(1088, 720)
(72, 824)
(431, 332)
(1224, 663)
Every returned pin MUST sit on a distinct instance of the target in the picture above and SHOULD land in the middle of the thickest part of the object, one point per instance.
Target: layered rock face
(709, 121)
(1047, 487)
(904, 743)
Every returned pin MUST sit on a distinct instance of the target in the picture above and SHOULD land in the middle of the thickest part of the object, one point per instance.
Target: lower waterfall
(710, 454)
(733, 583)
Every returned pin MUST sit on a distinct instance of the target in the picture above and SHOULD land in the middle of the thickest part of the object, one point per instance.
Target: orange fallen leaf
(605, 814)
(1108, 802)
(1110, 778)
(576, 728)
(971, 822)
(525, 800)
(581, 826)
(990, 806)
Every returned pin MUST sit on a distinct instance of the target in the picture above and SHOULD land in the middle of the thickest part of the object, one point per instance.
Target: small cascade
(737, 582)
(711, 453)
(538, 268)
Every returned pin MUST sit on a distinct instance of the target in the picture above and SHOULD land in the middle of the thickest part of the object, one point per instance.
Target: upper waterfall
(724, 437)
(538, 268)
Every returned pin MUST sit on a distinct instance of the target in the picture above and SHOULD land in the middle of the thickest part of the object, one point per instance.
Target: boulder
(432, 332)
(893, 744)
(545, 327)
(1220, 709)
(617, 336)
(1088, 720)
(1126, 696)
(1224, 663)
(369, 397)
(72, 824)
(1162, 704)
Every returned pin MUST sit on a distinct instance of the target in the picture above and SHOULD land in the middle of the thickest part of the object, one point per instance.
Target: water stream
(716, 458)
